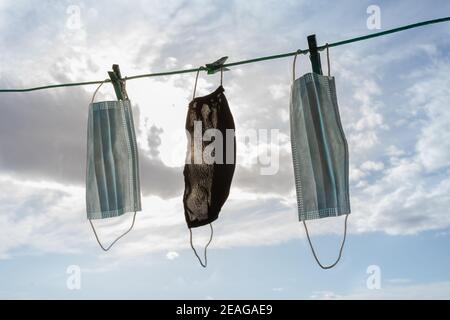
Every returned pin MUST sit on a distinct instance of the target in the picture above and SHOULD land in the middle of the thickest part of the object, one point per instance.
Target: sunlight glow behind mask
(319, 151)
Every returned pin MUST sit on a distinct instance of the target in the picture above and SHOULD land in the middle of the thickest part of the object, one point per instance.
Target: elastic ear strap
(340, 250)
(117, 239)
(206, 247)
(328, 58)
(293, 66)
(96, 90)
(195, 85)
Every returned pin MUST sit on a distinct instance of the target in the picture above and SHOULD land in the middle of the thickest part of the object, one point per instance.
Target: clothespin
(314, 55)
(118, 83)
(216, 66)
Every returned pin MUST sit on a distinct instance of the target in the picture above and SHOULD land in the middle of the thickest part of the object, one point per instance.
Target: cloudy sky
(394, 95)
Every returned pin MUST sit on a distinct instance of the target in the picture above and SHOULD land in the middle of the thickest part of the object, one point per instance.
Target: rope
(383, 33)
(340, 250)
(231, 64)
(206, 247)
(117, 239)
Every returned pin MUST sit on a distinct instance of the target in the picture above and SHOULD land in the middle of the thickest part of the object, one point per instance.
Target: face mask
(319, 151)
(210, 160)
(112, 173)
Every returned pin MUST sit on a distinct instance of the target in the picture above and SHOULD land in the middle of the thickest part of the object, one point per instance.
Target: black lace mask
(207, 183)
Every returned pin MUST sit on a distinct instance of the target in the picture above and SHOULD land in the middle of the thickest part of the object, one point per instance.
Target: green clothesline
(231, 64)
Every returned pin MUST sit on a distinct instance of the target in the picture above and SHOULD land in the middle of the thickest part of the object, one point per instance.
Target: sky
(393, 94)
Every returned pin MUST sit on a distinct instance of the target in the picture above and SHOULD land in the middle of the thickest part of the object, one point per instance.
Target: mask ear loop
(204, 265)
(293, 66)
(96, 90)
(340, 250)
(117, 239)
(90, 220)
(328, 57)
(210, 225)
(196, 79)
(195, 84)
(295, 60)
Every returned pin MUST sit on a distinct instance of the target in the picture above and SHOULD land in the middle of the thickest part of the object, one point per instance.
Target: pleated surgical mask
(319, 151)
(112, 170)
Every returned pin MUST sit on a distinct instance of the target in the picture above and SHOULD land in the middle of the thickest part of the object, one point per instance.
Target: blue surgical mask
(319, 151)
(112, 173)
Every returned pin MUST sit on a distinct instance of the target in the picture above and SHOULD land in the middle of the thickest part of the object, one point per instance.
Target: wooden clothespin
(314, 54)
(118, 83)
(216, 66)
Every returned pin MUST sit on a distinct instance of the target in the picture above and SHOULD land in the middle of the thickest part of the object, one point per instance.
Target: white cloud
(394, 151)
(325, 295)
(172, 255)
(50, 217)
(356, 174)
(426, 291)
(431, 94)
(399, 281)
(372, 166)
(44, 217)
(399, 173)
(279, 91)
(402, 202)
(366, 168)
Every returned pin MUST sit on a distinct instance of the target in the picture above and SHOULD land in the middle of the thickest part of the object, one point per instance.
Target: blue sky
(393, 94)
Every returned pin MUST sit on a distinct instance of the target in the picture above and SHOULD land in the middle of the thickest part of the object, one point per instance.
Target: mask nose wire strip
(117, 239)
(340, 250)
(206, 247)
